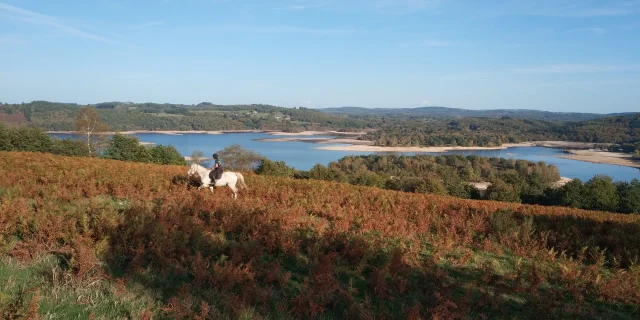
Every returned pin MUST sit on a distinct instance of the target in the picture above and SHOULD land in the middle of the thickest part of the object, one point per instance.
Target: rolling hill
(106, 239)
(443, 112)
(125, 116)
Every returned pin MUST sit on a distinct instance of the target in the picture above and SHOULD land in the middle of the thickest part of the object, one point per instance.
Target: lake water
(303, 155)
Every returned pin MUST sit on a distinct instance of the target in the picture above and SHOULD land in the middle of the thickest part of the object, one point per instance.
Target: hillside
(84, 237)
(623, 129)
(204, 116)
(443, 112)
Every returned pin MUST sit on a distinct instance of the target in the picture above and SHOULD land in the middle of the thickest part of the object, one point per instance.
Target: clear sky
(559, 55)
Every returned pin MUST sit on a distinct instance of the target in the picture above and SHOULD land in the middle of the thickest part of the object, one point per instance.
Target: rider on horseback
(217, 167)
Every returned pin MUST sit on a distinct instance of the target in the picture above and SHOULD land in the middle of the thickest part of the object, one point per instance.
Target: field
(87, 238)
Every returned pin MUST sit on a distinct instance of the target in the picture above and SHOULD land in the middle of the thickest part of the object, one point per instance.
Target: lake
(303, 155)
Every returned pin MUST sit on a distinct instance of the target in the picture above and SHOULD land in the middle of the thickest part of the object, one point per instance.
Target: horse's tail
(241, 180)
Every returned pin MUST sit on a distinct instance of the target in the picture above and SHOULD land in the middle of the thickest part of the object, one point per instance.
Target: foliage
(491, 132)
(443, 174)
(161, 154)
(274, 168)
(24, 139)
(127, 148)
(449, 113)
(69, 147)
(122, 116)
(235, 157)
(501, 191)
(123, 233)
(599, 193)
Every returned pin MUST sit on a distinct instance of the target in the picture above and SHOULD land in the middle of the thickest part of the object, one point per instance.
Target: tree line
(93, 143)
(621, 133)
(52, 116)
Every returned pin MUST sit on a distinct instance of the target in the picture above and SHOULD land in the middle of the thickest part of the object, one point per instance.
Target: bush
(274, 168)
(24, 139)
(127, 148)
(500, 191)
(68, 147)
(167, 155)
(601, 194)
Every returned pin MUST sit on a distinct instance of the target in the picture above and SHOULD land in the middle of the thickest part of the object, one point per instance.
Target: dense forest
(204, 116)
(622, 130)
(462, 132)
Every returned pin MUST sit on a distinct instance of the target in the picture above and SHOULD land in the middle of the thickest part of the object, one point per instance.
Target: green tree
(369, 178)
(235, 157)
(601, 194)
(320, 172)
(127, 148)
(572, 194)
(501, 191)
(24, 139)
(629, 194)
(274, 168)
(69, 147)
(166, 155)
(89, 124)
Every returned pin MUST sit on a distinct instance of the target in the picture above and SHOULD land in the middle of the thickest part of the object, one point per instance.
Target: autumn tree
(88, 123)
(235, 157)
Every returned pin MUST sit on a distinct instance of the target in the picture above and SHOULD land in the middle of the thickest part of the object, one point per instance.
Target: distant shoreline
(576, 148)
(178, 132)
(579, 150)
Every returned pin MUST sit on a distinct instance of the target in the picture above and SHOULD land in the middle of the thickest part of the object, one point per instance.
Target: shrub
(274, 168)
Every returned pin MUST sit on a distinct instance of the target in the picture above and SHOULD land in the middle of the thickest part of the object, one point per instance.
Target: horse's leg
(211, 188)
(235, 191)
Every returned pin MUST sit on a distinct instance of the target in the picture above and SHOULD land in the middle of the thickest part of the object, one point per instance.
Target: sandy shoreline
(369, 148)
(615, 158)
(483, 186)
(318, 140)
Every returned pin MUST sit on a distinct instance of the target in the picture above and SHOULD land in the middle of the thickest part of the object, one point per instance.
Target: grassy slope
(84, 237)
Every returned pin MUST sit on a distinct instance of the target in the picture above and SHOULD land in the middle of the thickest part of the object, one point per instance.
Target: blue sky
(558, 55)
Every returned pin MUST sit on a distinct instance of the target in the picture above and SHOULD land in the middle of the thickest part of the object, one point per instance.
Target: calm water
(303, 156)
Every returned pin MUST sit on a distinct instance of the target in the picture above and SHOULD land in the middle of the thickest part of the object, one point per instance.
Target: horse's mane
(199, 166)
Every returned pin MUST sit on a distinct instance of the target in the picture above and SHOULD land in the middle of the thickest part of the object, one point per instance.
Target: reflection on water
(303, 155)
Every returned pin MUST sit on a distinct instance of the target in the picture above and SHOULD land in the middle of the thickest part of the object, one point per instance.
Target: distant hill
(443, 112)
(155, 116)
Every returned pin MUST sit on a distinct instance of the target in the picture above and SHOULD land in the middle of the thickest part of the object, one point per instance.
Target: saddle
(215, 174)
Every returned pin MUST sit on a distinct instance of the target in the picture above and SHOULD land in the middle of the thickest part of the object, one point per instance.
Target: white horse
(227, 179)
